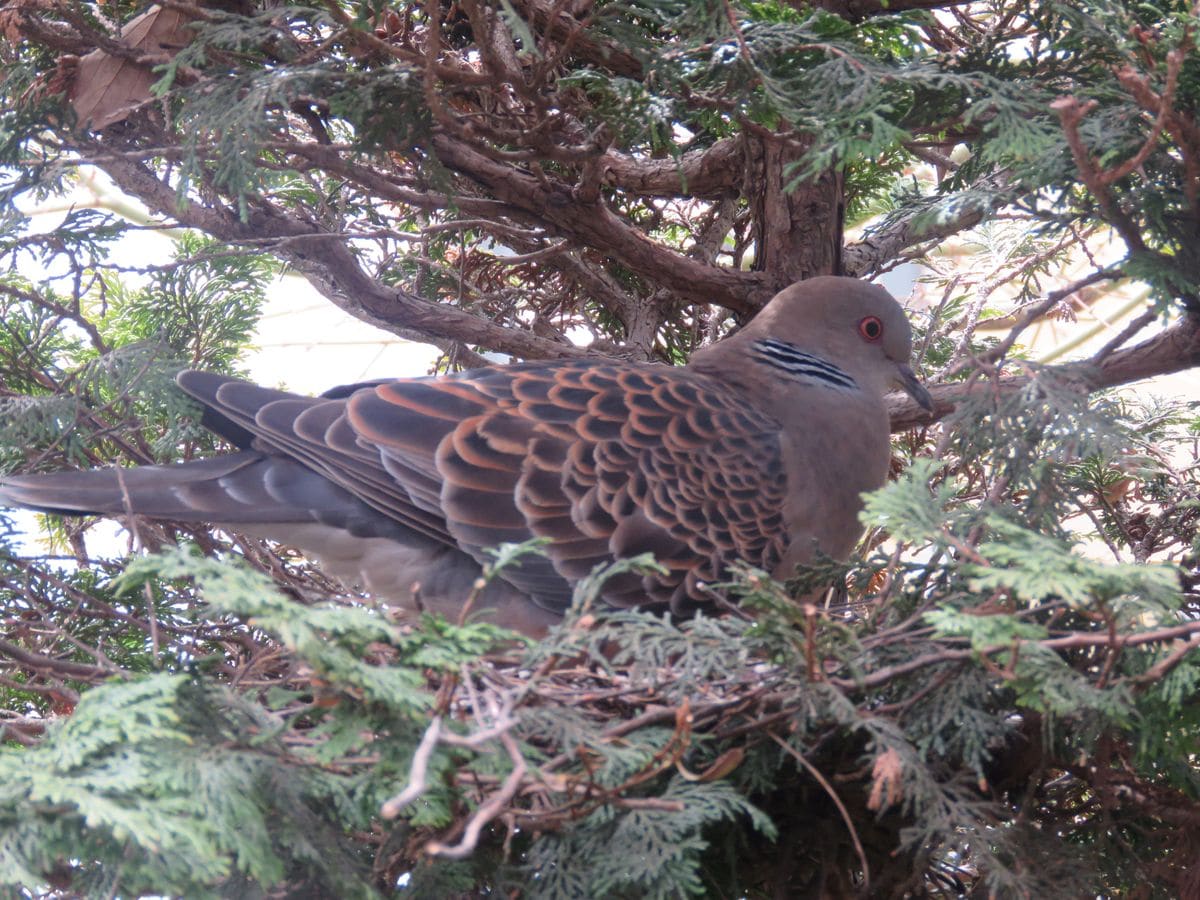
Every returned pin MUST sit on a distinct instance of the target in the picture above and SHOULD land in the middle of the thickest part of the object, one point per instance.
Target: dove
(758, 450)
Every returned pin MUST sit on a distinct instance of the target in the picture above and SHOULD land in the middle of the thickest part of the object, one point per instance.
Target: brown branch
(72, 313)
(1172, 350)
(711, 173)
(1164, 103)
(1071, 112)
(1039, 309)
(494, 41)
(1125, 334)
(886, 243)
(556, 24)
(332, 268)
(1081, 639)
(1156, 672)
(41, 663)
(597, 226)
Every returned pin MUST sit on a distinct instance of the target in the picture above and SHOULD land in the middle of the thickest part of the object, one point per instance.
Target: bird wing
(313, 432)
(603, 461)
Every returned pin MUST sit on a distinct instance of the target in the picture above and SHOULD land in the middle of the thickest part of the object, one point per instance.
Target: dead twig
(837, 801)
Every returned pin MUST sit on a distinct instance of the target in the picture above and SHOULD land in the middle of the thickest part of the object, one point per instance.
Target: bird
(757, 450)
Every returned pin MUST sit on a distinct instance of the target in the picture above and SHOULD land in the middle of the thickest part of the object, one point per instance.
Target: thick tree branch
(555, 206)
(332, 268)
(1172, 350)
(551, 19)
(886, 243)
(711, 173)
(63, 667)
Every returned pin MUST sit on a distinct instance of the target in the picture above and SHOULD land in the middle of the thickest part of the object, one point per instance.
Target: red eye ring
(871, 329)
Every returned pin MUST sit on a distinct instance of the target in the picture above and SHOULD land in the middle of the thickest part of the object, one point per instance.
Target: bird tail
(228, 489)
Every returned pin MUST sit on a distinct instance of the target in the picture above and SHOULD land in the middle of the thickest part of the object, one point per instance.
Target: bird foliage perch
(757, 451)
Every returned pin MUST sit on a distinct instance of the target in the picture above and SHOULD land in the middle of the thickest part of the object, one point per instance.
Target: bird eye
(871, 328)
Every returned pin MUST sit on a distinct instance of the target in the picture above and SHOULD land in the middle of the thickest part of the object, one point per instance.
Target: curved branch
(886, 243)
(1172, 350)
(64, 667)
(333, 269)
(711, 173)
(555, 206)
(551, 19)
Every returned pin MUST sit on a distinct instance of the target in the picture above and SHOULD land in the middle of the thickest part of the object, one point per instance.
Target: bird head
(854, 326)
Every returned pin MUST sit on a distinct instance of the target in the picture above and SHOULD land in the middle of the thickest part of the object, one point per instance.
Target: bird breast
(828, 468)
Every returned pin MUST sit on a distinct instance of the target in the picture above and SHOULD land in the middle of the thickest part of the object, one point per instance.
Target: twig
(1167, 663)
(1044, 306)
(489, 809)
(1126, 333)
(479, 738)
(536, 255)
(1085, 639)
(477, 587)
(837, 801)
(417, 774)
(1071, 111)
(1126, 77)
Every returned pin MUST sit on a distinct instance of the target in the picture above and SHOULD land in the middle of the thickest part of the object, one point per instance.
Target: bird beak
(907, 379)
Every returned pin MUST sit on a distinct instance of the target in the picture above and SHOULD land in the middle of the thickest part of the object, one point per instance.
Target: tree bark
(798, 231)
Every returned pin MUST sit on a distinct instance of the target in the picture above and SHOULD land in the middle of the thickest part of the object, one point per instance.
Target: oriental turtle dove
(757, 450)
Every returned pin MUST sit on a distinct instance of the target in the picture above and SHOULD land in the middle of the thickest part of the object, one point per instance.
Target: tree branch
(64, 667)
(886, 243)
(595, 225)
(711, 173)
(1077, 639)
(1172, 350)
(332, 268)
(551, 19)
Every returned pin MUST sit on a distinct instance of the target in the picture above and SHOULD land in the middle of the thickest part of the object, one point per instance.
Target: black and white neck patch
(802, 366)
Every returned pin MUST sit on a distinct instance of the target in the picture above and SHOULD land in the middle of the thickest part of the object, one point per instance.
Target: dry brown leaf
(15, 14)
(107, 89)
(885, 781)
(10, 26)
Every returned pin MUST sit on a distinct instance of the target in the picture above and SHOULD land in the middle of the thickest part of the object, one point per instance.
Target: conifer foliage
(1002, 701)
